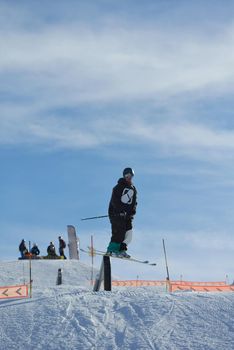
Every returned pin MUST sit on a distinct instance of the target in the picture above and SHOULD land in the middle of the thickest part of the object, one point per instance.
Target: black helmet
(128, 171)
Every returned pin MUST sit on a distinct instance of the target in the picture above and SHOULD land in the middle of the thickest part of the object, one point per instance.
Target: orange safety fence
(202, 288)
(178, 285)
(190, 283)
(10, 292)
(137, 283)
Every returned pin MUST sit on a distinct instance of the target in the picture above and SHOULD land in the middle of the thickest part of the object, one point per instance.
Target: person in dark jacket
(35, 250)
(23, 249)
(51, 250)
(122, 208)
(62, 246)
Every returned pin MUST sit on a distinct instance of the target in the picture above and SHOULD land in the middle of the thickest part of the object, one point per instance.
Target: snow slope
(71, 316)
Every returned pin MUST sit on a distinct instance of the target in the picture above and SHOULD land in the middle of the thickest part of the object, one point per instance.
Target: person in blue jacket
(35, 250)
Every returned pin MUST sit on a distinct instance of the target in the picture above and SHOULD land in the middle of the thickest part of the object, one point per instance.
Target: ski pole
(95, 217)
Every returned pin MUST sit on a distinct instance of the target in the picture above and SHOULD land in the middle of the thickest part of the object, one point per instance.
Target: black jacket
(35, 250)
(22, 247)
(123, 199)
(62, 244)
(51, 250)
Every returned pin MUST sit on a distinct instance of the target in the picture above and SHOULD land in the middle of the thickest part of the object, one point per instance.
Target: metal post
(168, 277)
(92, 256)
(137, 281)
(227, 279)
(107, 273)
(99, 278)
(30, 269)
(24, 274)
(104, 275)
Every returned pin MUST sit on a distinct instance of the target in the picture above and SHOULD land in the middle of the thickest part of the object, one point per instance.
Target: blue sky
(88, 88)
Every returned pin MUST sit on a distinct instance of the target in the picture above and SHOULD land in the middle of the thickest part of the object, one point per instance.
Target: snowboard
(73, 243)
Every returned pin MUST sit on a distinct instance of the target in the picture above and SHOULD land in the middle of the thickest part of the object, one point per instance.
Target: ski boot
(113, 248)
(123, 254)
(122, 251)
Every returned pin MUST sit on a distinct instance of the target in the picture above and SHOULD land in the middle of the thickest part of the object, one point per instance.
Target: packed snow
(72, 316)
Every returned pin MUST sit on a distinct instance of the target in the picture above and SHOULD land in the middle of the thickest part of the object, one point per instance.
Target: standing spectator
(23, 249)
(35, 250)
(62, 246)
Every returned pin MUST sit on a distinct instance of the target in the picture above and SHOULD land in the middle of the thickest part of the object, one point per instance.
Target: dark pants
(119, 227)
(61, 252)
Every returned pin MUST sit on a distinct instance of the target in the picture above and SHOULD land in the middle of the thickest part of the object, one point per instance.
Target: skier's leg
(63, 254)
(128, 237)
(128, 234)
(118, 228)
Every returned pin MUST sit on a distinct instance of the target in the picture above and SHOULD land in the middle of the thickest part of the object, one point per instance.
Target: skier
(122, 208)
(23, 249)
(51, 250)
(35, 250)
(62, 246)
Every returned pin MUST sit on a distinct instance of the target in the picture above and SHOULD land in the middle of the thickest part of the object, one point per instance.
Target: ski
(100, 252)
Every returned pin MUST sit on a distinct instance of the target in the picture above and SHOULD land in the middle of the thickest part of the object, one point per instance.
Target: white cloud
(183, 134)
(118, 63)
(71, 65)
(21, 125)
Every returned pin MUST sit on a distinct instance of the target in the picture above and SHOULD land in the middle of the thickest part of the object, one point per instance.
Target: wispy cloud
(185, 137)
(178, 138)
(128, 63)
(75, 65)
